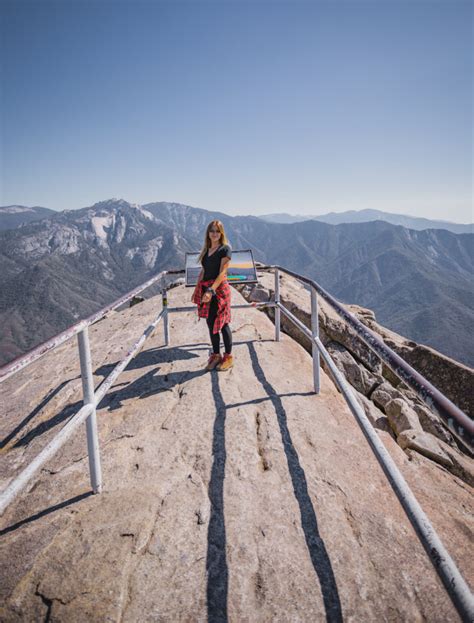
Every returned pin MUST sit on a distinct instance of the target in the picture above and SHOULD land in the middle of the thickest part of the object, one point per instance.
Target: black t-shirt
(212, 264)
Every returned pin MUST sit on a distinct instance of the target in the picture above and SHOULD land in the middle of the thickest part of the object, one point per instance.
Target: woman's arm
(222, 273)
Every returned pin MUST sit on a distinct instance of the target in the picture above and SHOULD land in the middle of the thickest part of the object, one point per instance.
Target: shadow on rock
(45, 512)
(65, 414)
(152, 382)
(153, 357)
(317, 550)
(49, 396)
(216, 563)
(149, 384)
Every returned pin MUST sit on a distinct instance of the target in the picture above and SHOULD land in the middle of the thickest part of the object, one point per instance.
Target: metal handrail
(447, 570)
(91, 397)
(452, 579)
(34, 354)
(454, 419)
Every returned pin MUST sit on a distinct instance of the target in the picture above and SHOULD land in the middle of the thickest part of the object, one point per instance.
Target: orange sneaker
(213, 361)
(226, 362)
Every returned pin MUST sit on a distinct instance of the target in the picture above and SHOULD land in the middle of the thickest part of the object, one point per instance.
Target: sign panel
(241, 268)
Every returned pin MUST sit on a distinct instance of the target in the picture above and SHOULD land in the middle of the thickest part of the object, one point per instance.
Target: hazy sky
(245, 107)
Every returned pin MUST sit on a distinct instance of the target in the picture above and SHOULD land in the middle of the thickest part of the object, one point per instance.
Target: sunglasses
(214, 231)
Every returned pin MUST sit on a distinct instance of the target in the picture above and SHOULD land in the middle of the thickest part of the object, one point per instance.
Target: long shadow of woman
(216, 563)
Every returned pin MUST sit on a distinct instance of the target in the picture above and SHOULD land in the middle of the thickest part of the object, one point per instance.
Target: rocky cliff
(388, 402)
(237, 495)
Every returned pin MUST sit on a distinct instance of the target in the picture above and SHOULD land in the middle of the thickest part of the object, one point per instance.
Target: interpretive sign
(240, 270)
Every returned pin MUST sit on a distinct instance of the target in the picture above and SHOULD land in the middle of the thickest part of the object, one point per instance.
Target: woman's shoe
(213, 361)
(226, 362)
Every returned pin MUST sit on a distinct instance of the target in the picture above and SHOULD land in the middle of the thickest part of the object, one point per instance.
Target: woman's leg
(215, 337)
(227, 335)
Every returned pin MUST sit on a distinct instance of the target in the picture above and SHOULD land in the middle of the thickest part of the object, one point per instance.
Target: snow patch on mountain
(147, 254)
(99, 222)
(146, 213)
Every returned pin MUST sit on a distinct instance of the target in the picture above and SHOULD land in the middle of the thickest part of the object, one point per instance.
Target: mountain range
(61, 268)
(365, 216)
(16, 216)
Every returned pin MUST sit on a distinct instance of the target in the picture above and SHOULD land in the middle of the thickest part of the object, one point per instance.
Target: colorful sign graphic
(240, 270)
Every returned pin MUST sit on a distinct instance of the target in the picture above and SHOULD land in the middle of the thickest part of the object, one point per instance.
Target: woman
(212, 293)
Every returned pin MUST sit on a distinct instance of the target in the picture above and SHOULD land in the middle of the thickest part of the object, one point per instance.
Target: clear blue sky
(245, 107)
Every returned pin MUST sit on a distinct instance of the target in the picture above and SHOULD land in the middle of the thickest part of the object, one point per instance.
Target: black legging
(215, 337)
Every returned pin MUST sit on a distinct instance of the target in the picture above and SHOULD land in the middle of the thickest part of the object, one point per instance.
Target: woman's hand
(206, 297)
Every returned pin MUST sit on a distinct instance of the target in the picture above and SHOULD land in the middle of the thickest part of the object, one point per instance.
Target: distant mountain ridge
(62, 268)
(16, 216)
(365, 216)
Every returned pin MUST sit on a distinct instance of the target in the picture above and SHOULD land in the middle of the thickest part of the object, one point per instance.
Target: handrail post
(91, 422)
(276, 308)
(454, 419)
(315, 335)
(164, 297)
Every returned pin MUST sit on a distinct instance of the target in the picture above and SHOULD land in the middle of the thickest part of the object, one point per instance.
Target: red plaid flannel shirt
(223, 295)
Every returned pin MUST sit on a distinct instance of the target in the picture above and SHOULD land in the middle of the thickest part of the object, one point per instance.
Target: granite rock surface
(238, 495)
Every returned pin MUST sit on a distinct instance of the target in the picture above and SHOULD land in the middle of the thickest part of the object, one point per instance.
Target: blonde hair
(207, 241)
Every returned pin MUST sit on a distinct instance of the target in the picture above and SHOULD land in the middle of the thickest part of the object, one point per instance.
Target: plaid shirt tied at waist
(223, 295)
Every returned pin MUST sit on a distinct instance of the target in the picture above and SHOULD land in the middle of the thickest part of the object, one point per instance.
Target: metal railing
(91, 398)
(451, 416)
(457, 421)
